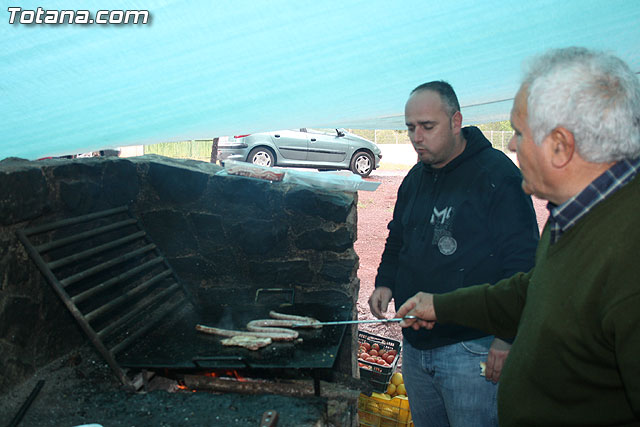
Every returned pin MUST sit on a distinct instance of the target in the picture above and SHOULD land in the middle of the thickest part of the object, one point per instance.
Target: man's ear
(456, 120)
(562, 147)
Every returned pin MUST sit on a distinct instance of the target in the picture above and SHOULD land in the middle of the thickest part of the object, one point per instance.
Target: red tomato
(382, 352)
(366, 346)
(376, 347)
(392, 352)
(370, 359)
(389, 358)
(373, 352)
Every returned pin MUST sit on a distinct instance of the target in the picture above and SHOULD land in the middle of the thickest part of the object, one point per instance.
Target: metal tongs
(351, 322)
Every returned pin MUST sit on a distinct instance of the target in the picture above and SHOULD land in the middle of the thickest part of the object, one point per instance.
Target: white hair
(594, 95)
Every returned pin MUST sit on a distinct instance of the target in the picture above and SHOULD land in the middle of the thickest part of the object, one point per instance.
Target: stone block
(232, 192)
(25, 309)
(24, 195)
(88, 169)
(280, 273)
(176, 185)
(170, 230)
(80, 197)
(209, 231)
(334, 207)
(260, 237)
(15, 368)
(336, 240)
(120, 183)
(197, 272)
(339, 270)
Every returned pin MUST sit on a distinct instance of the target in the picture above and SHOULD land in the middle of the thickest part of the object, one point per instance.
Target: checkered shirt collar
(563, 217)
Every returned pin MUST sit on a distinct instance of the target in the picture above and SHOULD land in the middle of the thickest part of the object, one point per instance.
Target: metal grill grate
(110, 276)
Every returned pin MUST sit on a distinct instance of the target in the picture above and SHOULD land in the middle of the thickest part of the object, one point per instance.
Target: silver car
(307, 148)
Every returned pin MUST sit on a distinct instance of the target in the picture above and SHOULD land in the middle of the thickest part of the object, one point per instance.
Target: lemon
(396, 379)
(391, 389)
(400, 390)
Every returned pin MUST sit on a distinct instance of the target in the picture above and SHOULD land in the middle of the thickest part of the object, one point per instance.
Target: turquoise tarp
(201, 69)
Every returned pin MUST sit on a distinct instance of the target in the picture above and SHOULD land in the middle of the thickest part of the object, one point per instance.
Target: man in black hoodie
(461, 218)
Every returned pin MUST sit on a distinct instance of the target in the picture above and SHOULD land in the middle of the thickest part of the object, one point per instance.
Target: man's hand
(379, 301)
(495, 361)
(421, 306)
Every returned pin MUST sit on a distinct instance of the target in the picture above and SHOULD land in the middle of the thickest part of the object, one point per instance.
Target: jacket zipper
(431, 205)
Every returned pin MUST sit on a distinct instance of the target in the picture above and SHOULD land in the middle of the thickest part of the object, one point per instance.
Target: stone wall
(216, 232)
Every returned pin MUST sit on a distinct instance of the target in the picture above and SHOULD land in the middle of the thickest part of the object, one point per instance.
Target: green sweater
(576, 358)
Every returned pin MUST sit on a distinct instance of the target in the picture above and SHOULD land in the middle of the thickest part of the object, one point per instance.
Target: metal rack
(115, 282)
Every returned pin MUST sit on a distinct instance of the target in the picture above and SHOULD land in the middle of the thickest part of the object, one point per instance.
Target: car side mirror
(340, 133)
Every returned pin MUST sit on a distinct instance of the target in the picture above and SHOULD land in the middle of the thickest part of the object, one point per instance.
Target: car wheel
(261, 157)
(362, 164)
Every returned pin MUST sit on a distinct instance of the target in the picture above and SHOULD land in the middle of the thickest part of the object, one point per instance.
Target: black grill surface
(176, 344)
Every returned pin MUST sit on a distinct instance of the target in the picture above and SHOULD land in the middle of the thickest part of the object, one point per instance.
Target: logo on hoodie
(440, 217)
(442, 222)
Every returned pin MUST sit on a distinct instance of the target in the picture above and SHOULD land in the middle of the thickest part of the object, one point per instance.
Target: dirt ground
(375, 210)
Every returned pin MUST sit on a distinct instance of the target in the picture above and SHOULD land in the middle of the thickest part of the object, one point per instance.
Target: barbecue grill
(136, 312)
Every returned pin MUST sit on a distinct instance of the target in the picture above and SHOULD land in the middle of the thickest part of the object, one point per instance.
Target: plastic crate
(378, 411)
(378, 375)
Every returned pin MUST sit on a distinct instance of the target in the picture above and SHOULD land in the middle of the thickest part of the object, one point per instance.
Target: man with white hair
(575, 360)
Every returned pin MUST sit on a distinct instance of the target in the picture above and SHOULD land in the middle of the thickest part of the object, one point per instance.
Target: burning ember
(231, 375)
(225, 374)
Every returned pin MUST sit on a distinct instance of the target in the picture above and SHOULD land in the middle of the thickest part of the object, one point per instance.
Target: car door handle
(313, 140)
(277, 136)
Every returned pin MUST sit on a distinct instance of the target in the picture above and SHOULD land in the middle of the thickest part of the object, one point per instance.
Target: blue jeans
(445, 387)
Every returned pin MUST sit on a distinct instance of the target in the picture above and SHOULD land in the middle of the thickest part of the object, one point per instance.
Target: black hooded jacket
(464, 224)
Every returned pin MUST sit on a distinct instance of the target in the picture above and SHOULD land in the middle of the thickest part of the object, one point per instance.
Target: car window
(331, 132)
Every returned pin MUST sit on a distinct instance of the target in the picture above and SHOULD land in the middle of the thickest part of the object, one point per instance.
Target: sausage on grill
(276, 334)
(276, 328)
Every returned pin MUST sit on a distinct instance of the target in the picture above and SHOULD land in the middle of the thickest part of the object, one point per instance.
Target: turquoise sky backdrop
(201, 69)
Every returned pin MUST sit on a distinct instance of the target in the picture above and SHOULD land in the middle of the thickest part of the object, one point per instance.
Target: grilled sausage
(310, 321)
(277, 328)
(276, 334)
